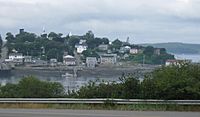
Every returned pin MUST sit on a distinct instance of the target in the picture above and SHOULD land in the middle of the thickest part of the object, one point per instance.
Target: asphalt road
(90, 113)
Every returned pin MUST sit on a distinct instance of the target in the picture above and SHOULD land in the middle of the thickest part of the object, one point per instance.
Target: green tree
(178, 81)
(30, 87)
(148, 88)
(73, 40)
(9, 91)
(90, 53)
(149, 51)
(89, 35)
(56, 37)
(10, 37)
(25, 37)
(117, 44)
(1, 42)
(131, 86)
(105, 40)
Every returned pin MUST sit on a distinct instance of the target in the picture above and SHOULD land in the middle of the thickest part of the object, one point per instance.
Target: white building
(108, 58)
(53, 62)
(176, 62)
(157, 51)
(91, 62)
(28, 59)
(134, 51)
(16, 58)
(69, 60)
(82, 46)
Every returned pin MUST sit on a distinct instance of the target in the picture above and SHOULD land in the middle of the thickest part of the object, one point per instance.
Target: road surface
(90, 113)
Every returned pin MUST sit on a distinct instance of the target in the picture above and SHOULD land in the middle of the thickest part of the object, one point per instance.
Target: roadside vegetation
(134, 107)
(30, 87)
(180, 82)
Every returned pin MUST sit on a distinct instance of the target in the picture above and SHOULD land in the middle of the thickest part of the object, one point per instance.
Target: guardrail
(95, 101)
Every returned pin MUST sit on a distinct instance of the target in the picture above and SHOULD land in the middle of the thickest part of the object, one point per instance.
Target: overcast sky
(144, 21)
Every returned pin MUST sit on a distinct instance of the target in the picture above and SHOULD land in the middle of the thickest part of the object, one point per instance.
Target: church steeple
(43, 30)
(44, 34)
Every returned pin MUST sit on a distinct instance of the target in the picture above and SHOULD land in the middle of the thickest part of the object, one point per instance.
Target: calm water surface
(194, 57)
(68, 82)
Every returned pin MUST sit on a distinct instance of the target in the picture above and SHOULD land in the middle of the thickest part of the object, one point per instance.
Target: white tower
(70, 34)
(43, 30)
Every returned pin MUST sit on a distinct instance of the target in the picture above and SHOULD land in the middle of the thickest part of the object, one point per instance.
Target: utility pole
(143, 61)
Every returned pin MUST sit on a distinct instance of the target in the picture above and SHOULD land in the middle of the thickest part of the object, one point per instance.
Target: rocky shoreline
(86, 72)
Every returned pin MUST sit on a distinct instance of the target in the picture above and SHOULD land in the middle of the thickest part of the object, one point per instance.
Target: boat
(67, 75)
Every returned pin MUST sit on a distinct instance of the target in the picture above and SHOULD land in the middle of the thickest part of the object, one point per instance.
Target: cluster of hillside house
(106, 56)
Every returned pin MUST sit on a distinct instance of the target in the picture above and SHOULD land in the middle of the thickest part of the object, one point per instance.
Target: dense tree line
(52, 45)
(180, 82)
(30, 87)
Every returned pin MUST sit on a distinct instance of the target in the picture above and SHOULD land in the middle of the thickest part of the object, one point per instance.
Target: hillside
(178, 48)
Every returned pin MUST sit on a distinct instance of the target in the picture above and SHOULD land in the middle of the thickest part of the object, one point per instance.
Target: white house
(157, 51)
(69, 60)
(134, 51)
(91, 62)
(176, 62)
(16, 58)
(108, 58)
(53, 62)
(82, 46)
(28, 59)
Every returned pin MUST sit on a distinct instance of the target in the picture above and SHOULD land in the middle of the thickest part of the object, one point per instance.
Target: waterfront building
(108, 58)
(17, 58)
(91, 62)
(28, 59)
(69, 60)
(176, 62)
(53, 62)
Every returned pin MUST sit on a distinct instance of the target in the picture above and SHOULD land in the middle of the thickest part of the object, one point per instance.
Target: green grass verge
(134, 107)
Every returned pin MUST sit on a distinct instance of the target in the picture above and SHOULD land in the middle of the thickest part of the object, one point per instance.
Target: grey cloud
(142, 20)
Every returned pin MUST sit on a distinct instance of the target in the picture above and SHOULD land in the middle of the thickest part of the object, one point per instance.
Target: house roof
(83, 44)
(68, 56)
(127, 47)
(108, 55)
